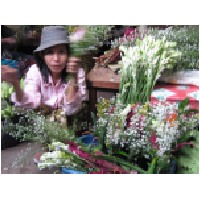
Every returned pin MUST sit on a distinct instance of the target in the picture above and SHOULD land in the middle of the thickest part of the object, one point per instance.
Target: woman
(46, 82)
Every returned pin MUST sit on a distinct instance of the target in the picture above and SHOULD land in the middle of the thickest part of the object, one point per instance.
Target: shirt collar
(51, 82)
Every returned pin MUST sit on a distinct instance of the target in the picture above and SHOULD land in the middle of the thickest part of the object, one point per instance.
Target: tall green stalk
(142, 66)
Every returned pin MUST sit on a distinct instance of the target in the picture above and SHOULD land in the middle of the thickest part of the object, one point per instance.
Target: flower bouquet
(187, 42)
(150, 136)
(131, 127)
(142, 66)
(85, 41)
(60, 148)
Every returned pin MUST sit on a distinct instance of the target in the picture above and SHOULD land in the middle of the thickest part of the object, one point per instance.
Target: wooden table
(101, 79)
(104, 79)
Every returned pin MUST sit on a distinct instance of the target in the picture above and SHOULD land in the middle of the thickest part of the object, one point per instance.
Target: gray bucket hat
(51, 36)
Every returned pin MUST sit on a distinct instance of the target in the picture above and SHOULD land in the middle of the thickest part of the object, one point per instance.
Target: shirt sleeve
(32, 87)
(73, 106)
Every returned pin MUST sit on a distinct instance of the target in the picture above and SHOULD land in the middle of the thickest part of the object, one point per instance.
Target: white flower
(51, 119)
(51, 155)
(67, 161)
(126, 110)
(66, 147)
(63, 120)
(41, 165)
(58, 144)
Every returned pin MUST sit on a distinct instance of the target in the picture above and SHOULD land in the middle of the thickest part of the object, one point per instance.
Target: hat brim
(51, 44)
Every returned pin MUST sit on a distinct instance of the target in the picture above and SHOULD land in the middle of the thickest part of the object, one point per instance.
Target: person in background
(7, 35)
(56, 80)
(112, 56)
(8, 42)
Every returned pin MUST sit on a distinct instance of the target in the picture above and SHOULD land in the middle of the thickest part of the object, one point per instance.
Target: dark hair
(45, 72)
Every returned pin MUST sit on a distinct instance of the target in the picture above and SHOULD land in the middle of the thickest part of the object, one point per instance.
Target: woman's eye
(62, 52)
(59, 52)
(49, 52)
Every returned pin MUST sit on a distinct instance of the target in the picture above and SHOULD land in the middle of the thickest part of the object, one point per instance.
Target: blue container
(11, 63)
(173, 166)
(89, 139)
(65, 170)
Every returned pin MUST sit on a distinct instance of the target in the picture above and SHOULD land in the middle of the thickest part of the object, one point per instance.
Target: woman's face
(56, 58)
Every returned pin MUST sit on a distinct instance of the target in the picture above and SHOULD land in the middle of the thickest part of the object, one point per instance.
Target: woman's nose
(55, 56)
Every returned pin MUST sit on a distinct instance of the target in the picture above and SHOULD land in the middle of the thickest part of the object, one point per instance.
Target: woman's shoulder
(33, 72)
(34, 69)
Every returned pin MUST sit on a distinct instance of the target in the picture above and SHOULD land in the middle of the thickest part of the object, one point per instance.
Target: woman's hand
(9, 74)
(72, 70)
(73, 65)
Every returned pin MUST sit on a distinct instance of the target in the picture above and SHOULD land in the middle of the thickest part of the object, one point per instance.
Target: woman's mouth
(56, 66)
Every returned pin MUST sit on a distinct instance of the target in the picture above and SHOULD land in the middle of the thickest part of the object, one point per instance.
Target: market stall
(150, 125)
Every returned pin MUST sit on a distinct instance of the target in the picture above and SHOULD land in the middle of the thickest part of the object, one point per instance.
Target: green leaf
(188, 159)
(121, 162)
(152, 167)
(122, 153)
(182, 105)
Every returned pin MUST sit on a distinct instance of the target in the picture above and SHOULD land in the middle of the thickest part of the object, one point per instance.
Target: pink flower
(152, 139)
(78, 35)
(129, 31)
(180, 145)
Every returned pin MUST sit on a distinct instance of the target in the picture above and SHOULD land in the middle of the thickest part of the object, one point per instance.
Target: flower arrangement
(153, 132)
(61, 149)
(135, 129)
(142, 66)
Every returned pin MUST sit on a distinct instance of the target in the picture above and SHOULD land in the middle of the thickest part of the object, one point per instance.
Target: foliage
(7, 109)
(188, 156)
(6, 106)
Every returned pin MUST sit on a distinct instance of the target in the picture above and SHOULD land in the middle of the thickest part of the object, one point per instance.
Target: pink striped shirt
(37, 92)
